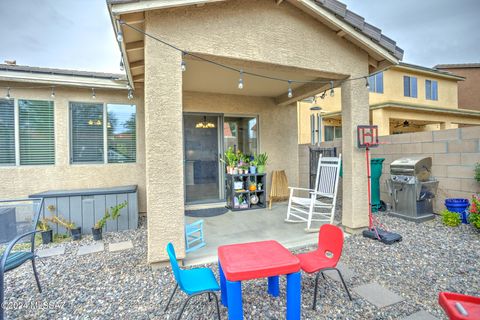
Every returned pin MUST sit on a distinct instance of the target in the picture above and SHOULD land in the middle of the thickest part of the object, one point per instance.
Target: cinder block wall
(454, 154)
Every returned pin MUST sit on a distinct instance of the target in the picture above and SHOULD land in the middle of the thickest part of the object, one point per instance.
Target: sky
(77, 34)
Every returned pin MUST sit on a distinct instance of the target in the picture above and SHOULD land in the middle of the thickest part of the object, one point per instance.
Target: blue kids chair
(193, 282)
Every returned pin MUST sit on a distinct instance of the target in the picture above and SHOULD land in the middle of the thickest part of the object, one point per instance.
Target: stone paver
(420, 315)
(119, 246)
(377, 295)
(347, 273)
(50, 252)
(92, 248)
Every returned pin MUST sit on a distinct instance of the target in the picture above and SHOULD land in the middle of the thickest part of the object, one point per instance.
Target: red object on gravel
(459, 306)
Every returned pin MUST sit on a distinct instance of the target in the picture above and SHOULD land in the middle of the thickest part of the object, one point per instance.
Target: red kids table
(254, 260)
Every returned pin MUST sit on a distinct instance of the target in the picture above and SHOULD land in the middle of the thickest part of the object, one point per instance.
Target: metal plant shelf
(232, 193)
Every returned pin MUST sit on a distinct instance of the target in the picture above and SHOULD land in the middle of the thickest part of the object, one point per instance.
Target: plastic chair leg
(294, 296)
(273, 286)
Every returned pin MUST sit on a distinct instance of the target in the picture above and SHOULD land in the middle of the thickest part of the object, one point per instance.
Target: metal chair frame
(9, 248)
(314, 307)
(210, 293)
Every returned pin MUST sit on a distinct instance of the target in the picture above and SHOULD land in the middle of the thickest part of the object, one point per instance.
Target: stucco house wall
(247, 30)
(22, 180)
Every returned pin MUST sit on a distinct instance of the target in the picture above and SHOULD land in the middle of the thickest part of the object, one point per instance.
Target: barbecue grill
(412, 188)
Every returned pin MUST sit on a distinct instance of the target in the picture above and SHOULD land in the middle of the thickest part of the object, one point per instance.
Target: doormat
(205, 213)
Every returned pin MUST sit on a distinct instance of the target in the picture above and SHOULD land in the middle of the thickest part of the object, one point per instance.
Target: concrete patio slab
(120, 246)
(347, 273)
(50, 252)
(420, 315)
(377, 295)
(248, 226)
(88, 249)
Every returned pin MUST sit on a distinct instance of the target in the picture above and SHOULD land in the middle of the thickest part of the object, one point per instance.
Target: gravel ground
(431, 258)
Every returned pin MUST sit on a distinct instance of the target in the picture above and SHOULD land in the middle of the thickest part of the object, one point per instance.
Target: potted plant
(450, 219)
(113, 214)
(75, 232)
(262, 160)
(474, 216)
(253, 166)
(230, 160)
(46, 231)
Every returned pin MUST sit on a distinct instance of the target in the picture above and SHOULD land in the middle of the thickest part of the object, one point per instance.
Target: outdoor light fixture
(119, 36)
(290, 91)
(130, 94)
(122, 67)
(94, 96)
(332, 92)
(205, 124)
(240, 81)
(183, 64)
(8, 94)
(52, 95)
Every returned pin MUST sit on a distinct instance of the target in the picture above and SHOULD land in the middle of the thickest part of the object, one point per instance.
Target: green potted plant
(46, 231)
(262, 160)
(450, 219)
(75, 232)
(113, 214)
(253, 166)
(230, 160)
(474, 216)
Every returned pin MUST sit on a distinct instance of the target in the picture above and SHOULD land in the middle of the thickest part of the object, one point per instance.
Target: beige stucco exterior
(21, 181)
(390, 108)
(247, 31)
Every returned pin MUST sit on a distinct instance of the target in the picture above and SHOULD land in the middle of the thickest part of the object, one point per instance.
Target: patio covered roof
(382, 50)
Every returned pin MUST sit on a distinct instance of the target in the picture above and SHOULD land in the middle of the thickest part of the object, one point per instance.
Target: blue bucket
(458, 205)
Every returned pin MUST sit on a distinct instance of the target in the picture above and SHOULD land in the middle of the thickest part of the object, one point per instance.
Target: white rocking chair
(320, 205)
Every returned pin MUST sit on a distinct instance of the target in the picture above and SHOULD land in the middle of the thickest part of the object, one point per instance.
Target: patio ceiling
(202, 76)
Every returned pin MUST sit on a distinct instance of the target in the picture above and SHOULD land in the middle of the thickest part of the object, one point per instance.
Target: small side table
(254, 260)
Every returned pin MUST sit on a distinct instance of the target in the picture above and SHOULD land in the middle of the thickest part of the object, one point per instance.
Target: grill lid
(420, 167)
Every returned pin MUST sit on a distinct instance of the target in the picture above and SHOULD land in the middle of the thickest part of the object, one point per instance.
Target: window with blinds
(87, 143)
(36, 132)
(121, 133)
(7, 132)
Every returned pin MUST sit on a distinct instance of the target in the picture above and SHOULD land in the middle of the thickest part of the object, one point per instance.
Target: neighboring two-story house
(469, 89)
(403, 98)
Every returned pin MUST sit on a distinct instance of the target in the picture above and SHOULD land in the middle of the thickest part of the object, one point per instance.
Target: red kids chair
(330, 245)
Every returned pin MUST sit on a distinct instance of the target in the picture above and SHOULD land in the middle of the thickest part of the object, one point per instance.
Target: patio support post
(381, 119)
(355, 111)
(163, 150)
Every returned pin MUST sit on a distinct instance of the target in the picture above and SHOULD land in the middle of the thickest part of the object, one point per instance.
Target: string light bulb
(323, 95)
(367, 84)
(94, 96)
(332, 92)
(240, 81)
(130, 94)
(122, 66)
(52, 95)
(183, 64)
(290, 91)
(8, 94)
(119, 36)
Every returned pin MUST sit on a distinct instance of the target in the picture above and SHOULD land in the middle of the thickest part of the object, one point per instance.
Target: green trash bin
(376, 166)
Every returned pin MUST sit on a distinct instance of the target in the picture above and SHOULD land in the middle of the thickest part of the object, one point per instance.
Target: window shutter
(406, 86)
(37, 132)
(379, 82)
(414, 87)
(428, 89)
(7, 132)
(434, 90)
(86, 132)
(121, 133)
